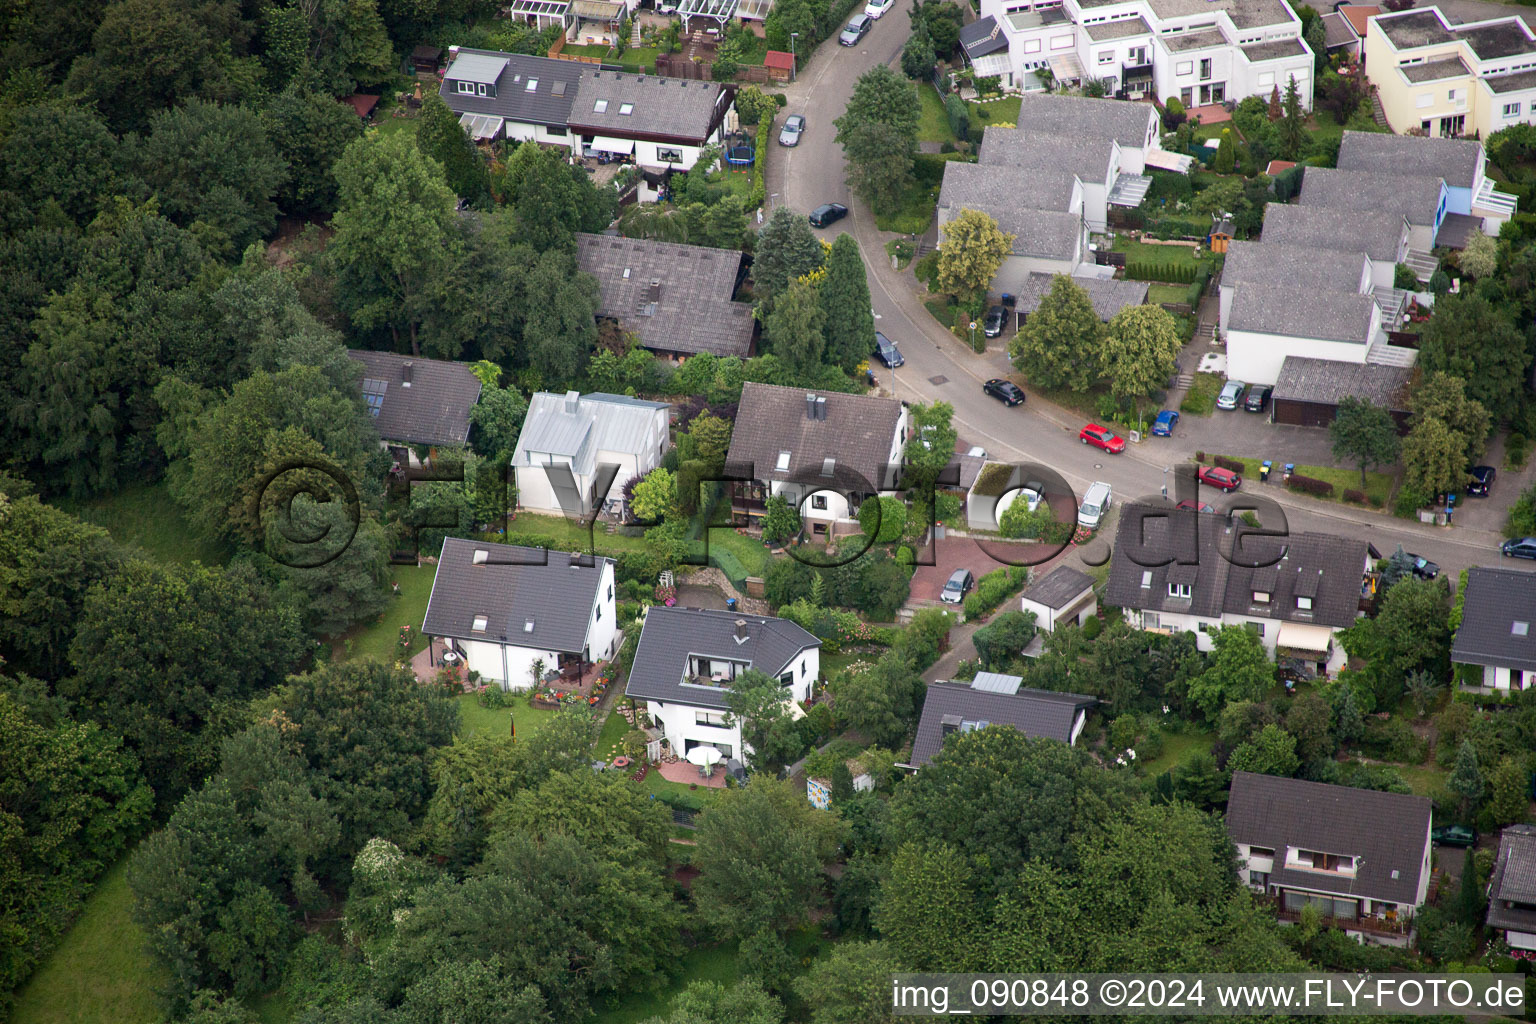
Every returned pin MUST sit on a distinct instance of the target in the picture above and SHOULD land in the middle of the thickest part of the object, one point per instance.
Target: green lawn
(1141, 252)
(1175, 746)
(1201, 397)
(102, 970)
(1167, 293)
(614, 728)
(378, 639)
(1426, 779)
(737, 556)
(1378, 485)
(640, 56)
(679, 793)
(932, 122)
(999, 111)
(145, 517)
(598, 50)
(564, 531)
(485, 721)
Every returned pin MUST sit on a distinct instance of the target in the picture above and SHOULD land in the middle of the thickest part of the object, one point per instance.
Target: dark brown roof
(1038, 714)
(1389, 832)
(1512, 890)
(433, 408)
(856, 437)
(1498, 613)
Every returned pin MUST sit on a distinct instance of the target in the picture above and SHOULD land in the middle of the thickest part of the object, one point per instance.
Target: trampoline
(740, 154)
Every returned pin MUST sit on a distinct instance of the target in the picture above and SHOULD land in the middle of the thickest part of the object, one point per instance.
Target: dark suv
(996, 317)
(1481, 480)
(828, 213)
(887, 352)
(1258, 397)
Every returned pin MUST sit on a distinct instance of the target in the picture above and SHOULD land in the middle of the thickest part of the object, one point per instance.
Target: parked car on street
(1258, 398)
(1519, 547)
(1221, 479)
(960, 583)
(794, 127)
(875, 8)
(993, 326)
(1102, 437)
(1005, 391)
(1191, 505)
(1481, 482)
(828, 213)
(1231, 394)
(1423, 568)
(856, 29)
(887, 352)
(1165, 422)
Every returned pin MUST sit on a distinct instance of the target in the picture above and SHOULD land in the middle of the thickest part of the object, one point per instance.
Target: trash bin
(730, 604)
(1290, 467)
(1264, 471)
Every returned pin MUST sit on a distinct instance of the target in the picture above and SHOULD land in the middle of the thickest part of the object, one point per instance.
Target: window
(1424, 100)
(599, 616)
(1186, 96)
(373, 394)
(1107, 57)
(1258, 878)
(610, 591)
(1184, 67)
(1450, 95)
(787, 679)
(533, 84)
(626, 109)
(1178, 590)
(783, 464)
(600, 107)
(1205, 69)
(1138, 55)
(1304, 603)
(669, 156)
(482, 89)
(1511, 110)
(557, 131)
(803, 669)
(1146, 579)
(1219, 92)
(1031, 46)
(466, 87)
(1260, 851)
(819, 501)
(479, 624)
(1261, 597)
(710, 718)
(1151, 620)
(1518, 628)
(1256, 628)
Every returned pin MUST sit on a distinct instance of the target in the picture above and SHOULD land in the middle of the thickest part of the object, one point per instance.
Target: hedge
(993, 589)
(1225, 463)
(1173, 273)
(1197, 288)
(1358, 497)
(759, 191)
(1310, 485)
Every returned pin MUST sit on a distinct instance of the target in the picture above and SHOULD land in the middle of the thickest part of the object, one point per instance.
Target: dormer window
(466, 87)
(1261, 597)
(1304, 604)
(481, 89)
(600, 107)
(480, 623)
(1179, 590)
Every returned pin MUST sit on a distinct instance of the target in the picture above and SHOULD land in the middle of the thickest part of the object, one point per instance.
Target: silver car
(789, 135)
(856, 29)
(1231, 394)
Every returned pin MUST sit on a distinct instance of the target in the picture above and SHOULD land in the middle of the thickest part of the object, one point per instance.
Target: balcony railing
(1375, 925)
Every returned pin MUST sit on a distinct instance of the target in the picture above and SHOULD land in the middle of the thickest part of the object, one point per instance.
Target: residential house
(1198, 51)
(576, 452)
(996, 699)
(1339, 36)
(677, 299)
(511, 95)
(1356, 17)
(417, 402)
(822, 451)
(1495, 640)
(1064, 595)
(1108, 295)
(1169, 573)
(505, 608)
(1359, 856)
(1512, 890)
(688, 659)
(1471, 198)
(1446, 79)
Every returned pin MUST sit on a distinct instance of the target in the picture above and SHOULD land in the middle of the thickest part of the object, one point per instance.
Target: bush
(1310, 485)
(959, 116)
(925, 637)
(1408, 502)
(1515, 450)
(1225, 463)
(993, 589)
(1357, 497)
(927, 270)
(1092, 628)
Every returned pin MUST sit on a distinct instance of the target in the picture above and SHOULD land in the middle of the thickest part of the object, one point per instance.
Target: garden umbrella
(704, 756)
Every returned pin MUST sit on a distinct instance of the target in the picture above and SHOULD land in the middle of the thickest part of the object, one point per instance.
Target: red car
(1101, 438)
(1221, 479)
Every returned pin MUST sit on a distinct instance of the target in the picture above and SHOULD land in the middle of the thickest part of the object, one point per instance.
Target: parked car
(875, 8)
(1165, 422)
(960, 583)
(1258, 398)
(1423, 568)
(794, 127)
(1032, 494)
(857, 28)
(993, 325)
(887, 352)
(1231, 394)
(1453, 835)
(1481, 482)
(1102, 437)
(828, 213)
(1095, 504)
(1521, 547)
(1191, 505)
(1221, 479)
(1005, 391)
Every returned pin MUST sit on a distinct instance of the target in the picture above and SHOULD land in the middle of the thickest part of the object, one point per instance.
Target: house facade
(993, 698)
(576, 452)
(1495, 646)
(503, 608)
(688, 659)
(1512, 889)
(1360, 857)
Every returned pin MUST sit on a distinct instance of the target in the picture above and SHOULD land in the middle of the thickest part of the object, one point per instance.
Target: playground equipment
(740, 153)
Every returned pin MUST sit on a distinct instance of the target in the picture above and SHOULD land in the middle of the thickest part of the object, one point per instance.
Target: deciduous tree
(1239, 670)
(1271, 752)
(759, 706)
(878, 133)
(1140, 350)
(1478, 342)
(1364, 434)
(442, 138)
(1062, 342)
(972, 250)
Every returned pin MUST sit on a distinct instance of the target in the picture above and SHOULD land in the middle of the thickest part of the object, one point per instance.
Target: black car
(1453, 835)
(1005, 391)
(828, 213)
(1423, 568)
(1519, 547)
(887, 352)
(1258, 398)
(993, 326)
(1481, 481)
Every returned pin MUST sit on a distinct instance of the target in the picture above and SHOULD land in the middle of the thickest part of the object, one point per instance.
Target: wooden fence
(556, 53)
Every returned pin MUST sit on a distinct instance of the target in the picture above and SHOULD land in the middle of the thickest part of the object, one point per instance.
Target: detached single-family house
(502, 608)
(1512, 890)
(417, 402)
(1064, 595)
(1169, 574)
(822, 451)
(677, 299)
(993, 698)
(1495, 638)
(1360, 856)
(576, 452)
(688, 659)
(1108, 295)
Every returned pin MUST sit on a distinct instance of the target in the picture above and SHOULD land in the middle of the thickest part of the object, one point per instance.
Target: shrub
(1310, 485)
(927, 270)
(1225, 463)
(994, 588)
(959, 116)
(1408, 502)
(1515, 450)
(1357, 497)
(1092, 628)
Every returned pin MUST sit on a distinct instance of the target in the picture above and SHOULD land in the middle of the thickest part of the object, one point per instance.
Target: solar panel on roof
(996, 682)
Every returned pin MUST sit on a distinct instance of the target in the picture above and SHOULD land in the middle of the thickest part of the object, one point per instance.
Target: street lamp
(792, 61)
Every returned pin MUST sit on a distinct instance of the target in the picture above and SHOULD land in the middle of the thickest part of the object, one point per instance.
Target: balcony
(1372, 925)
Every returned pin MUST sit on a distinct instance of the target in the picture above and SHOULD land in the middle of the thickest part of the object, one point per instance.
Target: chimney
(405, 373)
(572, 401)
(654, 294)
(453, 54)
(810, 406)
(741, 630)
(575, 559)
(821, 407)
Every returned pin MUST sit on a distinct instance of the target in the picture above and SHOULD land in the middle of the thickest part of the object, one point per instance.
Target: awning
(1129, 190)
(481, 126)
(621, 147)
(1066, 67)
(1164, 160)
(539, 8)
(1298, 636)
(597, 10)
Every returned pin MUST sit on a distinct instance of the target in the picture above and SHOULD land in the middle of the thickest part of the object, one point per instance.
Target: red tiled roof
(1357, 15)
(779, 59)
(1276, 166)
(362, 103)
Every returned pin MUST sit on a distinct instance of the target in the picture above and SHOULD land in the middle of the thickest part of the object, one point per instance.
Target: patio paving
(1213, 113)
(685, 773)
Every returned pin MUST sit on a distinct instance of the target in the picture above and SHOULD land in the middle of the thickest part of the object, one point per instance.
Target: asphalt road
(939, 367)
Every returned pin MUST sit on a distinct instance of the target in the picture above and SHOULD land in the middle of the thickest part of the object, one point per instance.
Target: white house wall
(1255, 358)
(515, 672)
(680, 725)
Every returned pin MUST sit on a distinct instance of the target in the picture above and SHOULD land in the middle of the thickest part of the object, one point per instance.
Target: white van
(1095, 503)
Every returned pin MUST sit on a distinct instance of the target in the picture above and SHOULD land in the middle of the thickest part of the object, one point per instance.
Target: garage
(1308, 391)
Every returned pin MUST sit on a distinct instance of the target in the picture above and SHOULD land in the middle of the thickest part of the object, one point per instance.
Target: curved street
(939, 367)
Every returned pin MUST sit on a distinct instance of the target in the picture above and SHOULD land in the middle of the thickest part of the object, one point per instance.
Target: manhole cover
(938, 380)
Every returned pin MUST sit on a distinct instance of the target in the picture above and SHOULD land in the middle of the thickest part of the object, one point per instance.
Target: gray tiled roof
(670, 635)
(982, 37)
(1014, 198)
(1495, 600)
(1514, 881)
(1038, 714)
(1435, 70)
(1278, 307)
(1122, 120)
(693, 311)
(1122, 28)
(1275, 49)
(1108, 295)
(1455, 160)
(1047, 155)
(434, 409)
(581, 426)
(1415, 198)
(557, 597)
(1387, 831)
(858, 432)
(1059, 587)
(1336, 31)
(1305, 269)
(670, 107)
(1192, 544)
(1203, 39)
(1379, 237)
(1329, 382)
(549, 103)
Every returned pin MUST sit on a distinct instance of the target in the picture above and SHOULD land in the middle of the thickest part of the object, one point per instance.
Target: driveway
(951, 553)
